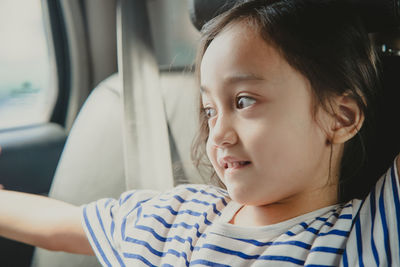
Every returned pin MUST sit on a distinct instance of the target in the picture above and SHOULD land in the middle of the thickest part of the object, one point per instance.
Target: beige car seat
(134, 131)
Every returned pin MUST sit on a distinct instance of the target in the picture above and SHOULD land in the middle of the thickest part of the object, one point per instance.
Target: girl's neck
(286, 209)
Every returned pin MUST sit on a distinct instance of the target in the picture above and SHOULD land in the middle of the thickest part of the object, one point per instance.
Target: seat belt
(145, 132)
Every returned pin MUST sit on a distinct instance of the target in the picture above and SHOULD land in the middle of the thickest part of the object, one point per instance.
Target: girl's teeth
(235, 164)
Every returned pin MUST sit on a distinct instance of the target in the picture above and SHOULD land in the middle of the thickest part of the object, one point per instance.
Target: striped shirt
(188, 226)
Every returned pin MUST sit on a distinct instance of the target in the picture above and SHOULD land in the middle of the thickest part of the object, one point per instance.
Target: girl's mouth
(236, 164)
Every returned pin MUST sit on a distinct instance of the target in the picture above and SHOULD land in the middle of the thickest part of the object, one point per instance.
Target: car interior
(135, 128)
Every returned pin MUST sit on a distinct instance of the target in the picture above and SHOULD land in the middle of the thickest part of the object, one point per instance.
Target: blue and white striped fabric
(188, 226)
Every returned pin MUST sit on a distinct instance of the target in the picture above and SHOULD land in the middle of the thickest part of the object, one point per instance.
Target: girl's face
(264, 142)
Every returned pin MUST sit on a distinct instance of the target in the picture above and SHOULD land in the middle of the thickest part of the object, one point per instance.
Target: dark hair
(327, 43)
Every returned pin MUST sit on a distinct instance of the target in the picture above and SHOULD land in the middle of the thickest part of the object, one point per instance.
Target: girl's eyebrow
(235, 78)
(240, 77)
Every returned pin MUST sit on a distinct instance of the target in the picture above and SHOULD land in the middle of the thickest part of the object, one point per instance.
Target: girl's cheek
(211, 154)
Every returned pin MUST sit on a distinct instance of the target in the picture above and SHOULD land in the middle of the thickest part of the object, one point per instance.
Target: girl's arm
(42, 222)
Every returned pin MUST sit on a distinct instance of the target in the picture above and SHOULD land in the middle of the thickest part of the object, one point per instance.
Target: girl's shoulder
(182, 194)
(375, 224)
(195, 193)
(199, 189)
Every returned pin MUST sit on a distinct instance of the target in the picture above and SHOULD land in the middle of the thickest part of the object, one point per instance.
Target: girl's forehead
(236, 34)
(239, 50)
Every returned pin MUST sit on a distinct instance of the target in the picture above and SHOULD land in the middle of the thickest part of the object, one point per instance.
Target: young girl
(286, 89)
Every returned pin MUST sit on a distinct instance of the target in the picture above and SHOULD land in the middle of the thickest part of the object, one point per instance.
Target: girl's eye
(244, 102)
(210, 112)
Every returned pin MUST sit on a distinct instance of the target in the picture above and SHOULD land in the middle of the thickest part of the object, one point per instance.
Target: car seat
(92, 164)
(101, 155)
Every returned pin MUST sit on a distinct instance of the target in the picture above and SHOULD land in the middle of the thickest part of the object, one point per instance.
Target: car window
(26, 93)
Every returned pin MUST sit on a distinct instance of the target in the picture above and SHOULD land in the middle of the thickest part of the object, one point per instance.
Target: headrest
(378, 15)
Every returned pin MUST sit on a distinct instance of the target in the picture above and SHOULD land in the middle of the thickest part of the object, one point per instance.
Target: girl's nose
(223, 133)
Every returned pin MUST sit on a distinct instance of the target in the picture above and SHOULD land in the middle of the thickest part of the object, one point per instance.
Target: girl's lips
(232, 163)
(236, 164)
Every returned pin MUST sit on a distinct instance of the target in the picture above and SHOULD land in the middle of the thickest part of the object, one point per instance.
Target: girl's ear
(348, 119)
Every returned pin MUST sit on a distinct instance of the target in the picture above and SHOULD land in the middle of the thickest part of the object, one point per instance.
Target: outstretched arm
(42, 222)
